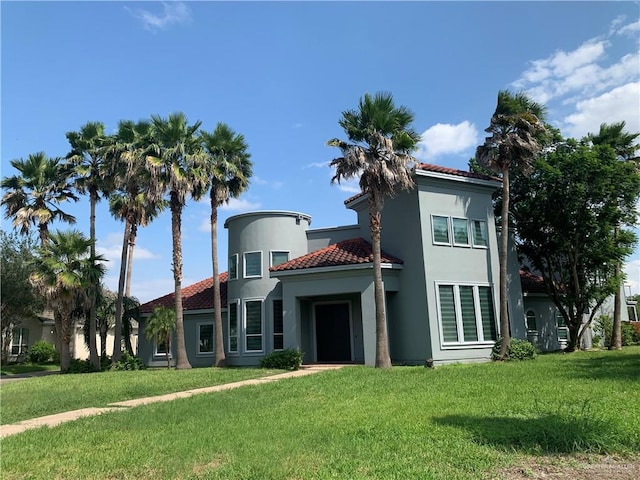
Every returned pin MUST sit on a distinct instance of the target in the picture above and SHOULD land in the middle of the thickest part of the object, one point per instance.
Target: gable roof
(198, 296)
(347, 252)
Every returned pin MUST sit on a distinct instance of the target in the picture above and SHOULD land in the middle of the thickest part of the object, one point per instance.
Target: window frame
(245, 335)
(233, 260)
(22, 345)
(453, 232)
(526, 320)
(235, 303)
(199, 339)
(485, 232)
(244, 264)
(271, 264)
(482, 340)
(162, 354)
(433, 230)
(275, 334)
(558, 316)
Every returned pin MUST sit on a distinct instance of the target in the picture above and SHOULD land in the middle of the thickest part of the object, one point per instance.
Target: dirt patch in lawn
(574, 468)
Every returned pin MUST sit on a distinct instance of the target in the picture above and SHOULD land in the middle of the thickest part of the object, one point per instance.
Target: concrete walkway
(58, 418)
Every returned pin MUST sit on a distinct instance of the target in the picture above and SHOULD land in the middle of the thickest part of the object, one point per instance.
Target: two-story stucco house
(291, 286)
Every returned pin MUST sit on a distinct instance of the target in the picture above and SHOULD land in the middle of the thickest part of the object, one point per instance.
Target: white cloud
(173, 13)
(111, 248)
(350, 186)
(261, 181)
(442, 139)
(317, 165)
(240, 205)
(632, 280)
(619, 104)
(630, 29)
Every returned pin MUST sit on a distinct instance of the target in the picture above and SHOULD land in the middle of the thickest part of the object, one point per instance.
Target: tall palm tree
(62, 273)
(626, 148)
(382, 140)
(88, 161)
(159, 326)
(515, 128)
(228, 170)
(176, 163)
(33, 196)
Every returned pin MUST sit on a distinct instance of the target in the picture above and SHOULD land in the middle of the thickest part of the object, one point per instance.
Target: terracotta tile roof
(198, 296)
(428, 167)
(348, 252)
(531, 283)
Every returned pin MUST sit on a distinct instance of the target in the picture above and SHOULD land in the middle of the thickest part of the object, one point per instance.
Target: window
(205, 338)
(233, 328)
(479, 231)
(563, 331)
(633, 316)
(278, 326)
(531, 321)
(253, 325)
(233, 267)
(278, 258)
(19, 341)
(466, 314)
(440, 229)
(252, 264)
(161, 347)
(460, 231)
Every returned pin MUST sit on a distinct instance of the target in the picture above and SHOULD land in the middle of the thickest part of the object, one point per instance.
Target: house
(291, 286)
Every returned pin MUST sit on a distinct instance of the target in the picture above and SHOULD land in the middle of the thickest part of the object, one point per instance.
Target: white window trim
(433, 230)
(162, 354)
(273, 326)
(235, 259)
(526, 320)
(213, 343)
(481, 342)
(271, 252)
(558, 328)
(245, 351)
(486, 233)
(453, 233)
(235, 352)
(244, 264)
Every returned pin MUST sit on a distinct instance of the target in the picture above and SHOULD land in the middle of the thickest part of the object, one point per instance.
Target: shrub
(289, 359)
(129, 362)
(41, 352)
(604, 326)
(518, 350)
(80, 366)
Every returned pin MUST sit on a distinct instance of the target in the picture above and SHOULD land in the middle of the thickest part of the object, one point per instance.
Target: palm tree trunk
(117, 333)
(127, 289)
(504, 255)
(93, 290)
(63, 325)
(217, 303)
(383, 360)
(182, 362)
(616, 333)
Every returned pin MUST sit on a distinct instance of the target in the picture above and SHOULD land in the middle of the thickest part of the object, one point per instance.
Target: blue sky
(281, 73)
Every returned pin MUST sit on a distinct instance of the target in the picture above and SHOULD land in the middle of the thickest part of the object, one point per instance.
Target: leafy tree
(625, 146)
(229, 170)
(515, 128)
(33, 196)
(381, 142)
(90, 178)
(176, 163)
(564, 214)
(17, 297)
(159, 326)
(62, 272)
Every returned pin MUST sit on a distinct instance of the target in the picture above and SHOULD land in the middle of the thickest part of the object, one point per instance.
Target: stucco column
(290, 320)
(368, 303)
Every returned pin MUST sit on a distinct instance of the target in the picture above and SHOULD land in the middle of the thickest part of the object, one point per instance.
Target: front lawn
(18, 368)
(452, 422)
(37, 397)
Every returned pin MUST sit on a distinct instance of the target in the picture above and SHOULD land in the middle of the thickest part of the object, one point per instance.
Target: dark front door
(333, 333)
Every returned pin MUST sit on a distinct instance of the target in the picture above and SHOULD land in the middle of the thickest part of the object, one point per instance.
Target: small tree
(159, 326)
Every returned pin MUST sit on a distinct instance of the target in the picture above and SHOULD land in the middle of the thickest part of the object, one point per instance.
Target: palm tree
(176, 163)
(229, 170)
(89, 164)
(33, 196)
(515, 127)
(62, 273)
(382, 140)
(159, 326)
(625, 146)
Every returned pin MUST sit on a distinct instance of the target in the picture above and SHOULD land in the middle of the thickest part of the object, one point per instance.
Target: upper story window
(464, 232)
(440, 229)
(253, 264)
(233, 267)
(278, 258)
(460, 231)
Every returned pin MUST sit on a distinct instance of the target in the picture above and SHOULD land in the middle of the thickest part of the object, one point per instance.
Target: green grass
(37, 397)
(18, 368)
(452, 422)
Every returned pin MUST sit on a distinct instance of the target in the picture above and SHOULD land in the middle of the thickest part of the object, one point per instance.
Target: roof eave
(333, 268)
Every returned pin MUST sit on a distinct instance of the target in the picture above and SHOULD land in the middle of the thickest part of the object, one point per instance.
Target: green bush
(80, 366)
(289, 359)
(518, 350)
(41, 352)
(129, 362)
(604, 327)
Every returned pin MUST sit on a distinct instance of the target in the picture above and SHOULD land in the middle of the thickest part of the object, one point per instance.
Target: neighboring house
(289, 286)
